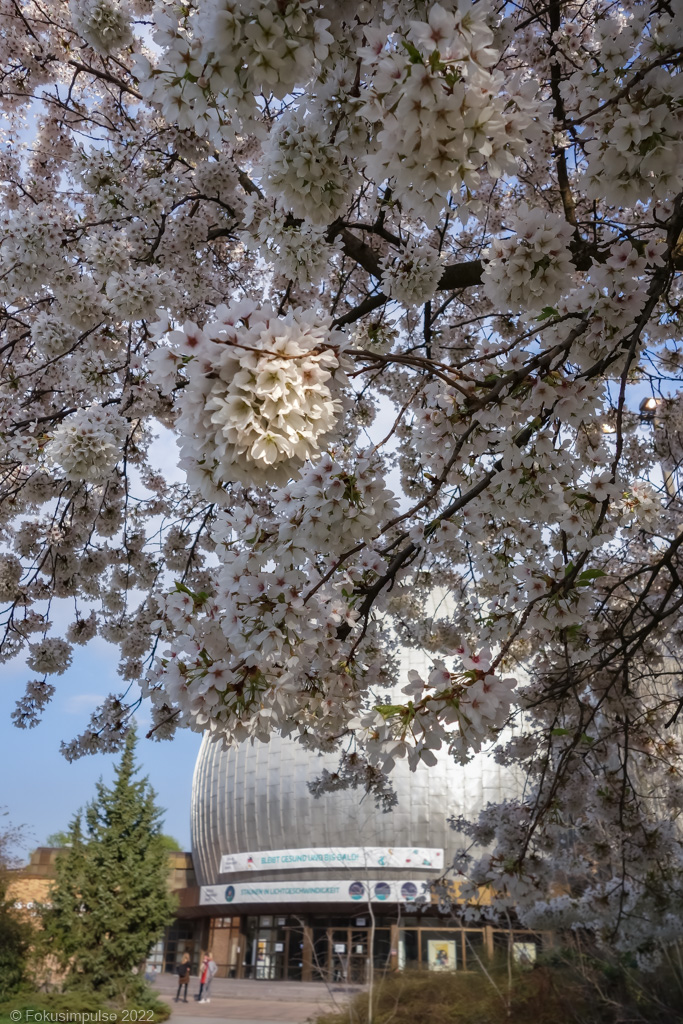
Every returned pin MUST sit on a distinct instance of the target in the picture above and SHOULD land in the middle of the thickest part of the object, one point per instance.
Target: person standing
(209, 968)
(183, 971)
(203, 975)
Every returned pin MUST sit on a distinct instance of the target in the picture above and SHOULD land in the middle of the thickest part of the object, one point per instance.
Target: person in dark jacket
(183, 971)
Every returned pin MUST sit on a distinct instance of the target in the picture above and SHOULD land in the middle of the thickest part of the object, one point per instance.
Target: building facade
(282, 885)
(295, 887)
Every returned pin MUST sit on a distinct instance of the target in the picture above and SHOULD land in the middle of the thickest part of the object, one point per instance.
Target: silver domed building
(256, 798)
(296, 887)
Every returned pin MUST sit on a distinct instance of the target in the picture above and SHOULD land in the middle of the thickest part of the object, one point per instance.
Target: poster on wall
(408, 857)
(524, 953)
(262, 960)
(441, 955)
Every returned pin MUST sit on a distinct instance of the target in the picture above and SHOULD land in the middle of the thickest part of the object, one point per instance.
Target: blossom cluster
(230, 52)
(298, 251)
(258, 402)
(305, 166)
(244, 653)
(531, 268)
(413, 277)
(466, 709)
(438, 110)
(87, 445)
(105, 24)
(632, 133)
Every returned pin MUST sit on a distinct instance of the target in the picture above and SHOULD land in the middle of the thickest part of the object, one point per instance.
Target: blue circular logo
(382, 891)
(229, 893)
(409, 892)
(356, 890)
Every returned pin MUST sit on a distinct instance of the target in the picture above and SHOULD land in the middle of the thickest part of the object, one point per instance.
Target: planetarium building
(295, 887)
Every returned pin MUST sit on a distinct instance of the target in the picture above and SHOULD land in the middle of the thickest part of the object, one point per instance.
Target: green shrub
(14, 945)
(83, 1002)
(558, 992)
(457, 998)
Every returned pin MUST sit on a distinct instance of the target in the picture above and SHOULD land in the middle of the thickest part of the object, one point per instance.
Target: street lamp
(648, 409)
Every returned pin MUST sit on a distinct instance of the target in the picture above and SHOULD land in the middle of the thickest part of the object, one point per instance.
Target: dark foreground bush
(146, 1008)
(550, 993)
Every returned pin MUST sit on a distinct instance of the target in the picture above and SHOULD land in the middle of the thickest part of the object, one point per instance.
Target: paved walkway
(254, 1002)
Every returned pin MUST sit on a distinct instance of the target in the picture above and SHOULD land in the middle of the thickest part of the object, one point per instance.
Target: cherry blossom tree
(396, 277)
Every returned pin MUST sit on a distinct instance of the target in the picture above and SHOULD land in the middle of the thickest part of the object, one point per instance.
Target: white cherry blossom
(402, 284)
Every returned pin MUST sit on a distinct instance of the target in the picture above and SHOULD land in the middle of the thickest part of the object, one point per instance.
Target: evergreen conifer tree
(15, 931)
(111, 901)
(14, 945)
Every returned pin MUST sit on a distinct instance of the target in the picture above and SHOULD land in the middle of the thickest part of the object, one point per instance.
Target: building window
(180, 939)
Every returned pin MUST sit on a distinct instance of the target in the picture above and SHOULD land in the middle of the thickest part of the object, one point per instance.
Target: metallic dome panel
(250, 798)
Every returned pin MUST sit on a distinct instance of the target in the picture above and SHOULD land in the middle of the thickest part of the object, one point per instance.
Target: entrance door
(295, 953)
(270, 955)
(261, 956)
(321, 954)
(358, 956)
(349, 950)
(342, 955)
(339, 954)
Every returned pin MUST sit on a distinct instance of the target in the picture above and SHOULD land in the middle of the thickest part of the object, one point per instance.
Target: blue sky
(41, 790)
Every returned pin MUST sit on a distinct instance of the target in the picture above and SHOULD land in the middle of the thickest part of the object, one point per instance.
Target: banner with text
(348, 857)
(333, 891)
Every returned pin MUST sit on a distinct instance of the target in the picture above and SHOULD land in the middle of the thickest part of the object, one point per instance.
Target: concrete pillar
(393, 959)
(307, 959)
(242, 943)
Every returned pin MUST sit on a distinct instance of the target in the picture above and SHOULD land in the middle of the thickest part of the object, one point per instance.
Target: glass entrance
(358, 956)
(342, 955)
(339, 954)
(295, 952)
(321, 955)
(275, 949)
(179, 939)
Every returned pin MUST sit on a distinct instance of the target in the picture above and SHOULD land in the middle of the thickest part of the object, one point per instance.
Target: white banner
(408, 857)
(324, 891)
